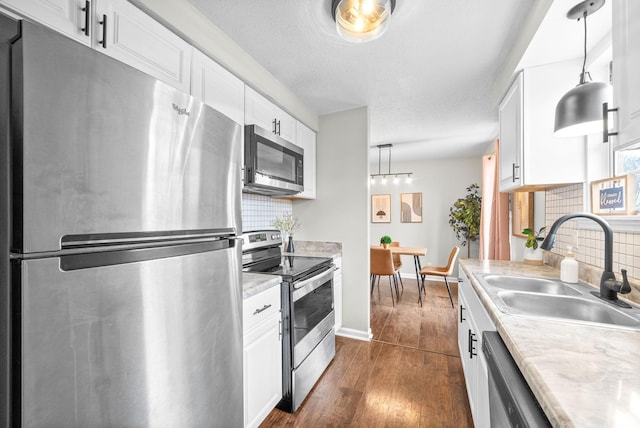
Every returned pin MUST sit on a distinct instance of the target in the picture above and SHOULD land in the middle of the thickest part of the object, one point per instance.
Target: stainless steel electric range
(308, 344)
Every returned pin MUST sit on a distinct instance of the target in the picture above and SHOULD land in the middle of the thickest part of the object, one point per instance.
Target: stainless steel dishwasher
(511, 402)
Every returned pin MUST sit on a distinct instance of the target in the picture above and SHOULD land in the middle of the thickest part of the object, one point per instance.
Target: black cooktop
(291, 268)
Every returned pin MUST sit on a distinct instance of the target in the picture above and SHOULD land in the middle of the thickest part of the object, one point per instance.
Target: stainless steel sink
(531, 284)
(552, 298)
(574, 308)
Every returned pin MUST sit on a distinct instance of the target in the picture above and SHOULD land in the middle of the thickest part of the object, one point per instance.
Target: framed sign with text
(614, 196)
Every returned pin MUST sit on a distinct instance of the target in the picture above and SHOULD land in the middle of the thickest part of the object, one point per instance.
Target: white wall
(340, 212)
(442, 182)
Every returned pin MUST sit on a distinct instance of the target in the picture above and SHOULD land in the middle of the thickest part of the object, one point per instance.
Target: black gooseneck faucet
(609, 286)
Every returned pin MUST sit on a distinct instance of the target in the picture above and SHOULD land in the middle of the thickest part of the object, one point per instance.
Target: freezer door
(148, 344)
(99, 147)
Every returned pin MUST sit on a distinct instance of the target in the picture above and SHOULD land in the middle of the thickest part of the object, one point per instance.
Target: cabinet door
(262, 370)
(133, 37)
(511, 136)
(65, 16)
(626, 72)
(217, 87)
(306, 139)
(258, 110)
(286, 125)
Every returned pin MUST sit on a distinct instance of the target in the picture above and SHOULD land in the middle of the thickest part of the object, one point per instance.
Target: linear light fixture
(384, 175)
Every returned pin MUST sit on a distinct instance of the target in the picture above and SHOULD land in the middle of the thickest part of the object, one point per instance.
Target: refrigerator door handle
(109, 257)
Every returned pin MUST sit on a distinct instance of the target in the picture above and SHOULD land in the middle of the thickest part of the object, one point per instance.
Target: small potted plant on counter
(287, 224)
(533, 254)
(385, 241)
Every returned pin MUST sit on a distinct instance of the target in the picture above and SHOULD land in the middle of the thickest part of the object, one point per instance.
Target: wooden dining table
(416, 252)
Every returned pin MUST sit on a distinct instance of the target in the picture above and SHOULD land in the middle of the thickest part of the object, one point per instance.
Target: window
(627, 161)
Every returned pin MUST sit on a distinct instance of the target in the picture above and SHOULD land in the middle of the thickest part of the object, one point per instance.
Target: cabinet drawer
(258, 308)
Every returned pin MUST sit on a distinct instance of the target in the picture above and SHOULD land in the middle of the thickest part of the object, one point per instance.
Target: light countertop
(582, 375)
(254, 283)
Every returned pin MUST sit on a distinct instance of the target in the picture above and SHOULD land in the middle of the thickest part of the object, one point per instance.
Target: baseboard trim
(354, 334)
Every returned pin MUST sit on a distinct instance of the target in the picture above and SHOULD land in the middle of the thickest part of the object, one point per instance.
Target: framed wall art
(411, 207)
(380, 208)
(614, 196)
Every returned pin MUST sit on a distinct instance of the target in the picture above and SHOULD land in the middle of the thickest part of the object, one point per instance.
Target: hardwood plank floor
(409, 375)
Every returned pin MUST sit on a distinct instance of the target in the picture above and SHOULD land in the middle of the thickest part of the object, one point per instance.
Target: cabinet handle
(103, 42)
(275, 126)
(87, 17)
(472, 341)
(279, 329)
(264, 308)
(462, 308)
(278, 128)
(513, 173)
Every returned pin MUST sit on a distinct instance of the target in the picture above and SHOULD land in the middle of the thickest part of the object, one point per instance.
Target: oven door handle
(308, 285)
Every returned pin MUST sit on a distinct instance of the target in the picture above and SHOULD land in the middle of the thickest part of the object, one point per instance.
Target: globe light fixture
(359, 21)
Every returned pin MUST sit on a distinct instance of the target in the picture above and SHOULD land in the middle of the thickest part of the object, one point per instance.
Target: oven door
(312, 314)
(273, 166)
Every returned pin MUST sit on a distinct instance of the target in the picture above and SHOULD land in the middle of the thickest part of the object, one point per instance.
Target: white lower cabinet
(262, 355)
(472, 321)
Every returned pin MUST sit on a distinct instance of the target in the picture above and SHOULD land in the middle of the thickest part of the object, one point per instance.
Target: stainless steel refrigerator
(121, 296)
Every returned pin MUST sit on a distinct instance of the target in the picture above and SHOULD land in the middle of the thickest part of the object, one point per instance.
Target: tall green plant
(464, 217)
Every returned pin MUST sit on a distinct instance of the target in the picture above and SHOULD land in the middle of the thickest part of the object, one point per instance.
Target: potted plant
(532, 254)
(464, 217)
(287, 224)
(385, 241)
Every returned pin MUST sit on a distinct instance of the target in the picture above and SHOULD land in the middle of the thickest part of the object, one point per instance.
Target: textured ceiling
(427, 80)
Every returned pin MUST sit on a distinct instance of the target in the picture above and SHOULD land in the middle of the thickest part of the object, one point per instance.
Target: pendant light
(580, 111)
(360, 21)
(396, 175)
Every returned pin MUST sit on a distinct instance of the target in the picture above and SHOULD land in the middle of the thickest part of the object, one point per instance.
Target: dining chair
(443, 271)
(397, 262)
(381, 264)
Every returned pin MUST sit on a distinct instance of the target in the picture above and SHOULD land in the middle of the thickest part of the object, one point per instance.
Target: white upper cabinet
(306, 139)
(262, 112)
(217, 87)
(133, 37)
(626, 72)
(118, 29)
(531, 158)
(510, 113)
(70, 17)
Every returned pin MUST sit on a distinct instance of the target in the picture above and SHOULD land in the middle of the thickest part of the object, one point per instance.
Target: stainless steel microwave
(272, 165)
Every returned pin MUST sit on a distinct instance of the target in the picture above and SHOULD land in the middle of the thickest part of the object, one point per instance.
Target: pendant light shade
(579, 111)
(360, 21)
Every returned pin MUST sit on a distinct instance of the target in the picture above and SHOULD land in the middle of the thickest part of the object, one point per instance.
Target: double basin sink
(552, 298)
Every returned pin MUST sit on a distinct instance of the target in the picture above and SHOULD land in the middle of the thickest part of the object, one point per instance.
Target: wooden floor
(409, 375)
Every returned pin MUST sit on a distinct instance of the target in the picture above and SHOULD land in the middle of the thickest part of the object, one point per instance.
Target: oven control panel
(261, 238)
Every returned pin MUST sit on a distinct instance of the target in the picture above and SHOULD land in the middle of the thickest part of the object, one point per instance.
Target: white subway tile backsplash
(589, 243)
(259, 212)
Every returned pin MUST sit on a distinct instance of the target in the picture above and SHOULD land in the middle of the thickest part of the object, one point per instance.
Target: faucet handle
(625, 287)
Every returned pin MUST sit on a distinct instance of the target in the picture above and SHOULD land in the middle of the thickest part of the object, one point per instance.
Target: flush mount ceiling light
(396, 175)
(360, 21)
(580, 111)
